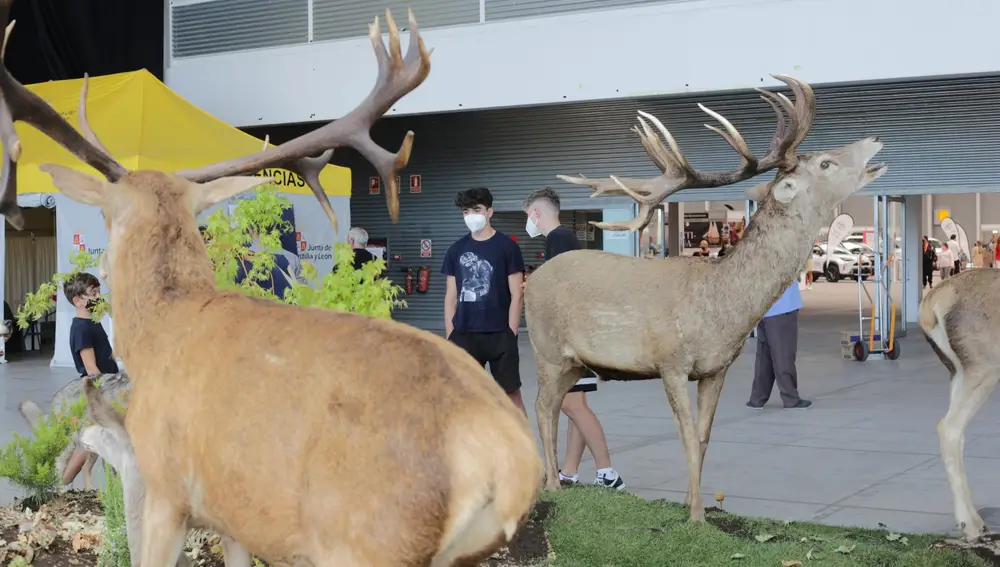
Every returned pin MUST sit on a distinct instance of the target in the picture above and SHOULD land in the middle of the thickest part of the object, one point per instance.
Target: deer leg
(969, 391)
(709, 390)
(680, 403)
(553, 383)
(88, 469)
(163, 529)
(234, 554)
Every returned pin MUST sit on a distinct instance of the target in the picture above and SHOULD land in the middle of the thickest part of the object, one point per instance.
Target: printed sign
(414, 184)
(374, 185)
(839, 229)
(425, 248)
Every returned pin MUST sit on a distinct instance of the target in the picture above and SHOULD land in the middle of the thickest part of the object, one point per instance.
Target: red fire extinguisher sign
(374, 185)
(414, 184)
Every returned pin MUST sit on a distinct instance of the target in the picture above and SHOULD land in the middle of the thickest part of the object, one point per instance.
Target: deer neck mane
(156, 264)
(770, 256)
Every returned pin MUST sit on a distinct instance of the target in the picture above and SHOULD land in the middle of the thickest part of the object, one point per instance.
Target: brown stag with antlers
(576, 320)
(294, 441)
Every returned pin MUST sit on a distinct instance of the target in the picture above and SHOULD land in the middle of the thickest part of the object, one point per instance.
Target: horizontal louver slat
(338, 19)
(221, 26)
(512, 9)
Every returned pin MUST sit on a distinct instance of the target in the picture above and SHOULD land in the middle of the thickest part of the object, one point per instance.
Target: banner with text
(839, 229)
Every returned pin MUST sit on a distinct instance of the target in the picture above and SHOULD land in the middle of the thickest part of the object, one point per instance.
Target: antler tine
(88, 132)
(732, 136)
(21, 104)
(678, 174)
(397, 77)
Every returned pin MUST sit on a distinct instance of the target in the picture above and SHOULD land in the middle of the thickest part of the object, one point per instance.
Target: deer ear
(785, 190)
(212, 192)
(76, 185)
(758, 192)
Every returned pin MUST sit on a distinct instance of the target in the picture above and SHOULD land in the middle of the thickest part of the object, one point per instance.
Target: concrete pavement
(865, 453)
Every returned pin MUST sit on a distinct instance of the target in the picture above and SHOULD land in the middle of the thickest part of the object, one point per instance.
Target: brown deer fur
(959, 318)
(329, 439)
(692, 315)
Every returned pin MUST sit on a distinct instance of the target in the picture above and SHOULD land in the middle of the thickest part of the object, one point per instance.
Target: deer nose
(876, 139)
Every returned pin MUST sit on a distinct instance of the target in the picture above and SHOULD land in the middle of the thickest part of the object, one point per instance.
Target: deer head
(131, 201)
(825, 174)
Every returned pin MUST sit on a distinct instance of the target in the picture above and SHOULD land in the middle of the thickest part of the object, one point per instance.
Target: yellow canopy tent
(146, 126)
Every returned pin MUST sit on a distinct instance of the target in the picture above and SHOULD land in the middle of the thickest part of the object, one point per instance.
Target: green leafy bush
(114, 543)
(30, 462)
(228, 238)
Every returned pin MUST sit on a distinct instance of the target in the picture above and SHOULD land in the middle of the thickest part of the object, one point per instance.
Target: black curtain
(63, 39)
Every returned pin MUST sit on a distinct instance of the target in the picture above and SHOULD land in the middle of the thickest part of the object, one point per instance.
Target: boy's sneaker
(614, 482)
(803, 404)
(568, 480)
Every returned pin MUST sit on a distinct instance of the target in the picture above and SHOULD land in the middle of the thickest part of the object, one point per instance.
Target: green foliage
(114, 546)
(30, 462)
(38, 304)
(228, 238)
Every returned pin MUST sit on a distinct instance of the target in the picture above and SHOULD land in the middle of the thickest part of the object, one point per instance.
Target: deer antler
(678, 173)
(18, 103)
(397, 76)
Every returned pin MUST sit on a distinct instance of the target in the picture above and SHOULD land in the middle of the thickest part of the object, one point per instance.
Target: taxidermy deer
(107, 437)
(576, 320)
(113, 384)
(264, 437)
(959, 322)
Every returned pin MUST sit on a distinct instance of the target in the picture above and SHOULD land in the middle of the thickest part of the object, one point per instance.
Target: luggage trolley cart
(866, 345)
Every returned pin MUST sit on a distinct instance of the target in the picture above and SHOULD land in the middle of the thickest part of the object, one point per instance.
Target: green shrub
(30, 462)
(114, 543)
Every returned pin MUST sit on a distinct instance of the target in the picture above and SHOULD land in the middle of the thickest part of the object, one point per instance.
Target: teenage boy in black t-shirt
(483, 295)
(542, 208)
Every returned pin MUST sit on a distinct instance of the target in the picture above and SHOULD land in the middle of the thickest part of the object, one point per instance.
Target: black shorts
(499, 349)
(587, 383)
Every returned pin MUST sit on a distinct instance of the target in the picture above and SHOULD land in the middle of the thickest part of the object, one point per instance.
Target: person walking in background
(777, 344)
(930, 259)
(956, 254)
(542, 208)
(483, 295)
(357, 237)
(946, 261)
(978, 255)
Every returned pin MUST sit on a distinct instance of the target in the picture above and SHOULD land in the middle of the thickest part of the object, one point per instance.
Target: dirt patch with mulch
(986, 548)
(529, 546)
(67, 532)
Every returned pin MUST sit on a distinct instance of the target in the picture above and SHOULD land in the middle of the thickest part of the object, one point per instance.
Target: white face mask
(475, 222)
(532, 228)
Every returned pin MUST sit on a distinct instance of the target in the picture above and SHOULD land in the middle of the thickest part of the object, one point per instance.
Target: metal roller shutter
(511, 9)
(220, 26)
(940, 135)
(337, 19)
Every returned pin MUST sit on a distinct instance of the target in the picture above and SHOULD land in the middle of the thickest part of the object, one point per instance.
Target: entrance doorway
(30, 260)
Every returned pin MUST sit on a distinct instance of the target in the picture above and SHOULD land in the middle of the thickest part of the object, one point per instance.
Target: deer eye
(825, 164)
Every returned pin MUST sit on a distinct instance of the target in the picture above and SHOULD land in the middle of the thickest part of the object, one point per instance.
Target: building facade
(520, 91)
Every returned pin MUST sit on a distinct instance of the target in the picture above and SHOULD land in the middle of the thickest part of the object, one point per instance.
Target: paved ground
(867, 452)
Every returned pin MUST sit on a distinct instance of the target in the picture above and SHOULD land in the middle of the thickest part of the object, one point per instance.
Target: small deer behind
(959, 319)
(296, 442)
(661, 319)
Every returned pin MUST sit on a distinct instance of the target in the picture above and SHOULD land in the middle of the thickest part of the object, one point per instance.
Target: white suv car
(843, 262)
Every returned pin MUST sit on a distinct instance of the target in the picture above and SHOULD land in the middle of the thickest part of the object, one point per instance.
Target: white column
(675, 228)
(912, 256)
(979, 219)
(928, 205)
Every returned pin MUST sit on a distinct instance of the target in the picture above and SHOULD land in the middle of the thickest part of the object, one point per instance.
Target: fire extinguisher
(423, 279)
(409, 282)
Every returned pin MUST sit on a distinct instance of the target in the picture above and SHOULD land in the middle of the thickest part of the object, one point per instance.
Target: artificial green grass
(600, 528)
